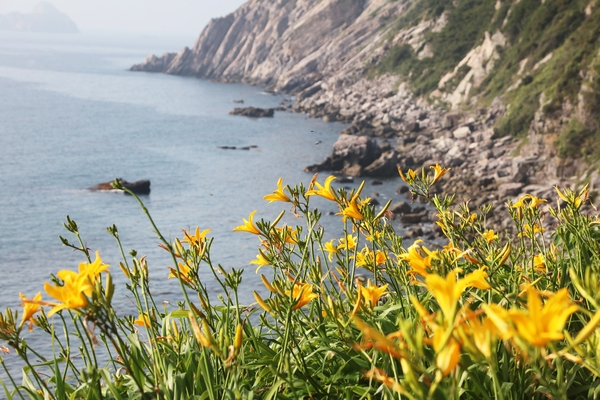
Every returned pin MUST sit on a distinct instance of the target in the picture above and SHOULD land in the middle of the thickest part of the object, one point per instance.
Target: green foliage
(572, 139)
(467, 21)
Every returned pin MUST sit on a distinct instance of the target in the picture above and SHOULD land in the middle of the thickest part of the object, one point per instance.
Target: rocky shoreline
(326, 54)
(390, 128)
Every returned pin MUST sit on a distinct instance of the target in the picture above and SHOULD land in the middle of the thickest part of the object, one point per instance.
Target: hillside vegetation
(549, 63)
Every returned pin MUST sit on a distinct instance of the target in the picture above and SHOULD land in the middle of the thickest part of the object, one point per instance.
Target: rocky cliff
(504, 91)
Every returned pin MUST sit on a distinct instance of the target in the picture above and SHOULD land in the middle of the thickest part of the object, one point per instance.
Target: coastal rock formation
(254, 112)
(286, 44)
(487, 88)
(137, 187)
(43, 18)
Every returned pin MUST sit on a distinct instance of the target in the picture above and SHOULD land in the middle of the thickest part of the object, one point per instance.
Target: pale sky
(157, 17)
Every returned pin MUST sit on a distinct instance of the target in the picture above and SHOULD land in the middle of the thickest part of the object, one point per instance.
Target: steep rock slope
(288, 44)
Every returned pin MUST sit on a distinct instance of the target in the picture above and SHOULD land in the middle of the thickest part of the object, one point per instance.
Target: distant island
(43, 18)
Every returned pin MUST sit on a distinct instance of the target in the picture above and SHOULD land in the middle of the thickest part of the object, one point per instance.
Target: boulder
(509, 190)
(350, 155)
(385, 165)
(254, 112)
(461, 132)
(401, 207)
(137, 187)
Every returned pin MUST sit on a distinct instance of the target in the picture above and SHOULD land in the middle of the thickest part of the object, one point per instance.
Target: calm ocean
(72, 116)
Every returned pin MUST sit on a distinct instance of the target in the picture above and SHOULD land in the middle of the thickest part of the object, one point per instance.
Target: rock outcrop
(137, 187)
(287, 44)
(254, 112)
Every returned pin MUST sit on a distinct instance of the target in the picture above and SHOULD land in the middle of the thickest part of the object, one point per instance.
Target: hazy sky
(177, 17)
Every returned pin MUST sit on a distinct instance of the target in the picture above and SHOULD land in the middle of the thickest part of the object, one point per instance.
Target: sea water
(72, 116)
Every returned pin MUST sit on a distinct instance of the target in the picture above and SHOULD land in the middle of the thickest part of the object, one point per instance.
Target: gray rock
(510, 189)
(461, 132)
(254, 112)
(401, 207)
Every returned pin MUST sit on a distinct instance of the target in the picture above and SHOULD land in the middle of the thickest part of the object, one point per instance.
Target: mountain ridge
(44, 17)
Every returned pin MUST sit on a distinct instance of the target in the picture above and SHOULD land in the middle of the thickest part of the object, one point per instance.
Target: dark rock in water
(374, 202)
(254, 112)
(401, 207)
(240, 101)
(137, 187)
(413, 218)
(375, 182)
(344, 179)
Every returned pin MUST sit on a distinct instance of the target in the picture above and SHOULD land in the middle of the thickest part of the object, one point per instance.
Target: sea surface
(72, 116)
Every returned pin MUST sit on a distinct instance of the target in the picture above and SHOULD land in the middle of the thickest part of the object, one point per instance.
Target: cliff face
(286, 44)
(504, 91)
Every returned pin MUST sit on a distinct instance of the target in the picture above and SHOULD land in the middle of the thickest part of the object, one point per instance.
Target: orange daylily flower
(279, 194)
(447, 291)
(372, 293)
(541, 324)
(325, 190)
(248, 225)
(30, 307)
(438, 172)
(302, 294)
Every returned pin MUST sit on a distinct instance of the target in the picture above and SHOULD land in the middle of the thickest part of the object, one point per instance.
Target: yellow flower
(184, 270)
(30, 307)
(302, 294)
(417, 262)
(93, 270)
(197, 238)
(72, 294)
(376, 340)
(368, 259)
(142, 320)
(352, 211)
(439, 172)
(347, 243)
(288, 234)
(248, 225)
(498, 315)
(411, 175)
(261, 260)
(448, 291)
(489, 235)
(372, 293)
(541, 324)
(484, 334)
(539, 263)
(447, 354)
(528, 200)
(261, 302)
(278, 195)
(323, 191)
(573, 199)
(531, 232)
(331, 249)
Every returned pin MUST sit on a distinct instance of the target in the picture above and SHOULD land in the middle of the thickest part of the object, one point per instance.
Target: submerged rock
(137, 187)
